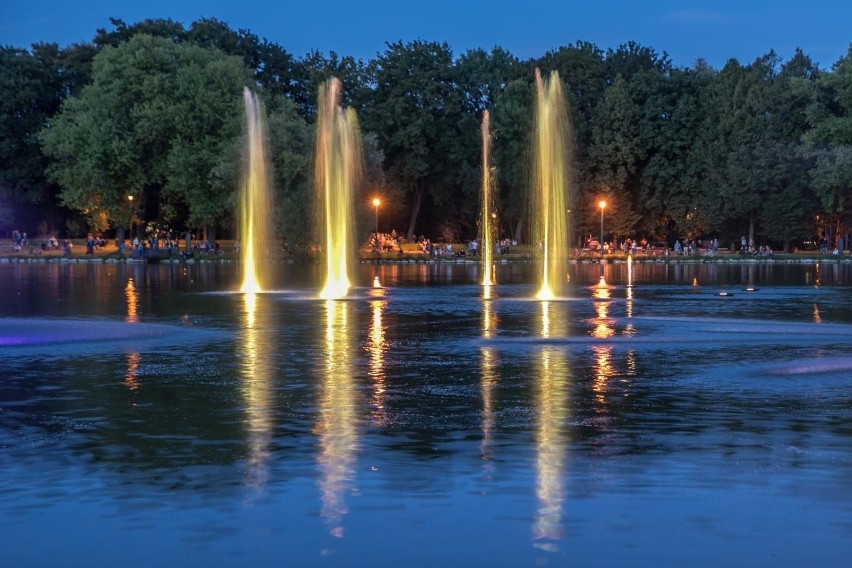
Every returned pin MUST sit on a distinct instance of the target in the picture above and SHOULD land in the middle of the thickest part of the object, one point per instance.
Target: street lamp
(602, 205)
(130, 200)
(376, 203)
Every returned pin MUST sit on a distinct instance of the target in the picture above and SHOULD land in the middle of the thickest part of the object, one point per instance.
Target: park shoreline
(731, 258)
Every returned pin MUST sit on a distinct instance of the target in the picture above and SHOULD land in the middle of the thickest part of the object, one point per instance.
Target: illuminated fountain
(488, 214)
(337, 175)
(255, 197)
(551, 182)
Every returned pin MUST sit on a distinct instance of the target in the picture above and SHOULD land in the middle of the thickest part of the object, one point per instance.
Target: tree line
(154, 111)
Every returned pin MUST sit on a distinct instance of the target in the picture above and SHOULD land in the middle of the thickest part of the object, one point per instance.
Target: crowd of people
(748, 247)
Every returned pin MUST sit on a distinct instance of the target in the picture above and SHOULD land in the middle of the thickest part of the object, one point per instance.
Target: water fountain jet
(255, 197)
(337, 174)
(551, 183)
(488, 216)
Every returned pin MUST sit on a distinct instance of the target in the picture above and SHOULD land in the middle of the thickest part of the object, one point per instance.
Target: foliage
(153, 109)
(153, 124)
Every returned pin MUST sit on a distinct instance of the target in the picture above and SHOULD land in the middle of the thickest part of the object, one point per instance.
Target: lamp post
(130, 200)
(376, 203)
(602, 205)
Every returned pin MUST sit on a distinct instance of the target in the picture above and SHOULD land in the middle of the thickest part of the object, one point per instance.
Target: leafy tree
(581, 66)
(121, 33)
(276, 70)
(631, 58)
(154, 124)
(829, 144)
(615, 155)
(511, 132)
(416, 116)
(671, 185)
(291, 154)
(788, 213)
(316, 69)
(736, 139)
(483, 76)
(32, 86)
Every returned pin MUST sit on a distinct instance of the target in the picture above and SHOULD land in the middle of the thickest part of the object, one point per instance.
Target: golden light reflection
(553, 321)
(377, 345)
(603, 325)
(131, 380)
(488, 385)
(489, 318)
(628, 304)
(551, 436)
(488, 378)
(631, 364)
(257, 352)
(132, 296)
(486, 292)
(629, 270)
(603, 370)
(695, 281)
(602, 289)
(338, 438)
(817, 317)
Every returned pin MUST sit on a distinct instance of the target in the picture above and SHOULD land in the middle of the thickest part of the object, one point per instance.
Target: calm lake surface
(150, 416)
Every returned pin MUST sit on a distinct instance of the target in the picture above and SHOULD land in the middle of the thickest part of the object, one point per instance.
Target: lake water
(150, 416)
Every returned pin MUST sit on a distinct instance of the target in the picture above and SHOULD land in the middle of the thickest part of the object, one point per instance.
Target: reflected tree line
(153, 110)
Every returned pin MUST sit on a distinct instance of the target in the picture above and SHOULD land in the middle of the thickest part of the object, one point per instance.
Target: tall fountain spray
(488, 214)
(551, 183)
(338, 173)
(255, 198)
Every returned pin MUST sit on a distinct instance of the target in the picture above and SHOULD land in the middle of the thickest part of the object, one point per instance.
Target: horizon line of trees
(154, 111)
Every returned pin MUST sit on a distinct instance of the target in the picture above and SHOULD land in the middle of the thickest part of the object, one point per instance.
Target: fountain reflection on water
(377, 345)
(551, 430)
(489, 378)
(337, 426)
(257, 375)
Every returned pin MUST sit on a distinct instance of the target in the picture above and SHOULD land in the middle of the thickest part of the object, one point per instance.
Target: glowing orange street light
(376, 203)
(602, 205)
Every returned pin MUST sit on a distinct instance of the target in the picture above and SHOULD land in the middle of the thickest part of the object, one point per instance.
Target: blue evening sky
(685, 29)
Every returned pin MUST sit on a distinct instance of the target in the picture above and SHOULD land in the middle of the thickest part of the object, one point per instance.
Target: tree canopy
(153, 110)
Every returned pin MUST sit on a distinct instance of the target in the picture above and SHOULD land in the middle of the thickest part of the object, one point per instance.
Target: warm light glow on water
(488, 212)
(603, 372)
(551, 407)
(551, 184)
(377, 345)
(603, 325)
(629, 270)
(336, 430)
(256, 353)
(488, 386)
(255, 198)
(132, 296)
(488, 379)
(489, 318)
(338, 175)
(131, 378)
